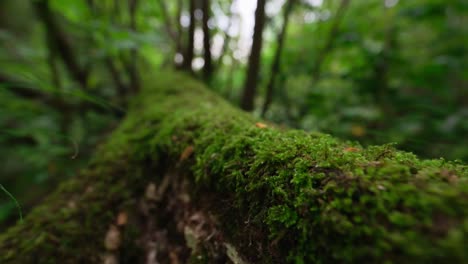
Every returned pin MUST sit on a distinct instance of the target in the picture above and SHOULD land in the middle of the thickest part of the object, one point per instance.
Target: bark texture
(189, 178)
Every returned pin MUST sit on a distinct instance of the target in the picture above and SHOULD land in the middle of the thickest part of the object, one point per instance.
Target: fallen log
(189, 178)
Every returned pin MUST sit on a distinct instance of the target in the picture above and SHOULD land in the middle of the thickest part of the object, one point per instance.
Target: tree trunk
(250, 86)
(189, 52)
(208, 66)
(210, 182)
(275, 66)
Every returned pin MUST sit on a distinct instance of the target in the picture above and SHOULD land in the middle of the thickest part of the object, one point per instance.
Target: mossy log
(188, 177)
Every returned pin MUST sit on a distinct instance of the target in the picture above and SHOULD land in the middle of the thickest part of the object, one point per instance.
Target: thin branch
(25, 90)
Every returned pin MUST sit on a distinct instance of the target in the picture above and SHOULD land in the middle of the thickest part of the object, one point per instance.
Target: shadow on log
(189, 178)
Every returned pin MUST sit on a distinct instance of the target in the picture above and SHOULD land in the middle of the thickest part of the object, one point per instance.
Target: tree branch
(26, 91)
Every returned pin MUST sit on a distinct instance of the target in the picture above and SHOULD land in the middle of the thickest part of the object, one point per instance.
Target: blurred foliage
(394, 71)
(397, 72)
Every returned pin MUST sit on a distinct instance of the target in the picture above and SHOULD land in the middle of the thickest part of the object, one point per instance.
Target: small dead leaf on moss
(122, 219)
(358, 130)
(260, 125)
(374, 163)
(351, 149)
(186, 153)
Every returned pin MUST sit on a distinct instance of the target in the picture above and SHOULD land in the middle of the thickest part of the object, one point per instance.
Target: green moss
(324, 201)
(307, 197)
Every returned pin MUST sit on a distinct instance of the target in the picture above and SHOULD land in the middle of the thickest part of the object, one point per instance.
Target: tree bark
(253, 69)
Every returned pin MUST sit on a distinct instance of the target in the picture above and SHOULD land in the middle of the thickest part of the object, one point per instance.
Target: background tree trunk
(253, 68)
(208, 66)
(275, 66)
(189, 52)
